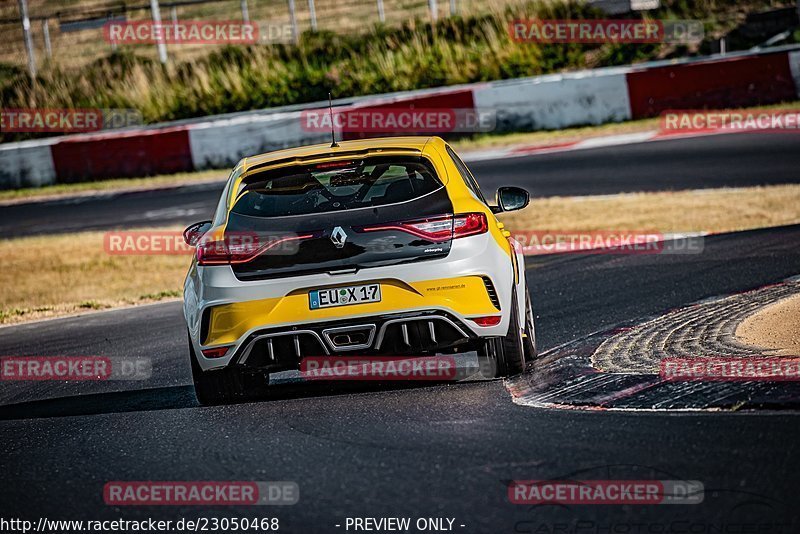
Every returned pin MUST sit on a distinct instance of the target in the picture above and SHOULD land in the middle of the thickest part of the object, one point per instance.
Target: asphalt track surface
(730, 160)
(439, 450)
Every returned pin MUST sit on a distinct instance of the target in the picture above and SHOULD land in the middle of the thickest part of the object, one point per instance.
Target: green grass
(88, 305)
(380, 59)
(8, 315)
(161, 295)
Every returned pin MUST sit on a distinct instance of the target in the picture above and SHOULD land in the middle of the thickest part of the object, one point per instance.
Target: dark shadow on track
(165, 398)
(179, 397)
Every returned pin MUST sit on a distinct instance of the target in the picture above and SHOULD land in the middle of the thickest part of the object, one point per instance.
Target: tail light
(438, 229)
(225, 252)
(235, 249)
(489, 320)
(469, 224)
(216, 352)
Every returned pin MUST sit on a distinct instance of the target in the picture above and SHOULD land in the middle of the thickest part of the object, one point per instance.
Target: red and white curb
(518, 151)
(530, 150)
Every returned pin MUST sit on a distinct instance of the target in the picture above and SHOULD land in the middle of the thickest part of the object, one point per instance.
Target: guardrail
(546, 102)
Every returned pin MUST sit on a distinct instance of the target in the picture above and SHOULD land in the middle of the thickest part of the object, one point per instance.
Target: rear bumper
(221, 310)
(404, 334)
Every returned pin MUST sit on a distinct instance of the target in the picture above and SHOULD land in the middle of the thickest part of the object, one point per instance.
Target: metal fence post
(46, 33)
(434, 10)
(293, 18)
(245, 12)
(313, 14)
(382, 14)
(453, 8)
(173, 15)
(26, 34)
(162, 46)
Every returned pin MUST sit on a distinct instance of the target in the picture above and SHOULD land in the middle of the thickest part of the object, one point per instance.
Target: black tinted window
(466, 175)
(335, 186)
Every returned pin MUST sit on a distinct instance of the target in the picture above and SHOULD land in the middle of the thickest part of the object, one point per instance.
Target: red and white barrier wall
(542, 102)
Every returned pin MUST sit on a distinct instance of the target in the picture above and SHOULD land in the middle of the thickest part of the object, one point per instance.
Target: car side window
(466, 175)
(221, 213)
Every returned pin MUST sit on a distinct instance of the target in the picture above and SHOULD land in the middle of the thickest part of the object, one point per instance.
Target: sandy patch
(775, 327)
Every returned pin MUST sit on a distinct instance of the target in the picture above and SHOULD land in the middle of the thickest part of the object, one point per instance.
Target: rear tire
(531, 352)
(504, 356)
(226, 385)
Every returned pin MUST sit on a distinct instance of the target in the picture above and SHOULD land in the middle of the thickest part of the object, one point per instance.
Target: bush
(383, 59)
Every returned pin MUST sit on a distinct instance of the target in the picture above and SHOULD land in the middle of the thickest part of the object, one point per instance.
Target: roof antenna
(334, 144)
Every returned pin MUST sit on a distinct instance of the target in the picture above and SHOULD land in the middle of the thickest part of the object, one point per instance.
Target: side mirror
(195, 231)
(512, 198)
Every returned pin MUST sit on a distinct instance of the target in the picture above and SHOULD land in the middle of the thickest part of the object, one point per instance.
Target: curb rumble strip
(568, 376)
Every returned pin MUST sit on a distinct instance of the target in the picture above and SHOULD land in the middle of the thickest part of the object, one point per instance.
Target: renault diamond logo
(338, 237)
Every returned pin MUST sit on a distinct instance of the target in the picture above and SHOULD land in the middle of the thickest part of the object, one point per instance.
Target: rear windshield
(336, 186)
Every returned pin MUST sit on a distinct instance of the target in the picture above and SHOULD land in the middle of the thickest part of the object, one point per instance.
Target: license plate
(343, 296)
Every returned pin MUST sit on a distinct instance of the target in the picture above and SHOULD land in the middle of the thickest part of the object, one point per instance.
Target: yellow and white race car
(380, 247)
